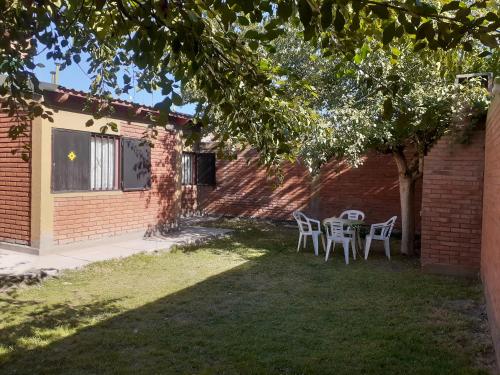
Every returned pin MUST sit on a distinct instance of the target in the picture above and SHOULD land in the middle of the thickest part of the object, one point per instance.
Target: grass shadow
(274, 311)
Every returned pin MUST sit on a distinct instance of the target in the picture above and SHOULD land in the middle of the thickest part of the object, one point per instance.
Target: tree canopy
(212, 45)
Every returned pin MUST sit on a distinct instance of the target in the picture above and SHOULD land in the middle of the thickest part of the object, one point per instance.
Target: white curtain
(102, 163)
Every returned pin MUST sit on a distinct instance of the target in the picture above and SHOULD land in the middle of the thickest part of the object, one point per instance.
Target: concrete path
(15, 263)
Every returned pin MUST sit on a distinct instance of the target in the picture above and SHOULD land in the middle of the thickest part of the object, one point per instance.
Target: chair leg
(323, 241)
(358, 235)
(368, 243)
(353, 246)
(305, 241)
(300, 240)
(328, 244)
(387, 247)
(315, 238)
(346, 252)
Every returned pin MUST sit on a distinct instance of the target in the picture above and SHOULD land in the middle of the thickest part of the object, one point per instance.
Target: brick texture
(452, 206)
(244, 189)
(15, 187)
(91, 216)
(490, 252)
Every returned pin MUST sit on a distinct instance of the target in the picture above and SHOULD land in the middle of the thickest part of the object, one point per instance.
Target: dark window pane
(136, 164)
(205, 169)
(70, 160)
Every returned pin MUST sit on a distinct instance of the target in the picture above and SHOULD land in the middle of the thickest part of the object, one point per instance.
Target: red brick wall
(452, 206)
(490, 251)
(189, 200)
(372, 188)
(15, 187)
(92, 216)
(244, 189)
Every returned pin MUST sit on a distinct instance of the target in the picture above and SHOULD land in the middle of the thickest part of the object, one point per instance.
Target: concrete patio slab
(15, 263)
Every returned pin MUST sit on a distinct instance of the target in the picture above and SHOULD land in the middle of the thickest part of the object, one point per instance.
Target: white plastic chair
(381, 232)
(353, 215)
(335, 232)
(308, 227)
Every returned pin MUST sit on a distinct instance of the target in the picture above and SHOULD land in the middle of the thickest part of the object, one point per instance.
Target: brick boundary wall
(15, 187)
(452, 206)
(490, 251)
(92, 216)
(244, 189)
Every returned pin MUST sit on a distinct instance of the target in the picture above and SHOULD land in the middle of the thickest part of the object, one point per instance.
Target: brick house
(82, 185)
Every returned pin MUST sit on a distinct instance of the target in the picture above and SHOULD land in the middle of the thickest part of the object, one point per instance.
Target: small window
(103, 162)
(188, 168)
(205, 169)
(136, 164)
(486, 79)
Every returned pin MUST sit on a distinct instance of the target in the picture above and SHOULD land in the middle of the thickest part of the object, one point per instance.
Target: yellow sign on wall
(72, 156)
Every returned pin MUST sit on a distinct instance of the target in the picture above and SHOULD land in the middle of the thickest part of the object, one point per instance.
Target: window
(486, 79)
(198, 168)
(82, 161)
(136, 165)
(188, 171)
(205, 169)
(103, 162)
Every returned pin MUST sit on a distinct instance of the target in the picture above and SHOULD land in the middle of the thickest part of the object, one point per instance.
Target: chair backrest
(302, 221)
(388, 227)
(353, 215)
(335, 228)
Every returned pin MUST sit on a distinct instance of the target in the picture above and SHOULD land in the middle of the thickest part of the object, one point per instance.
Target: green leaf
(388, 109)
(309, 32)
(484, 54)
(389, 32)
(252, 34)
(380, 11)
(285, 10)
(488, 40)
(339, 21)
(425, 30)
(326, 14)
(243, 21)
(176, 99)
(246, 5)
(305, 13)
(253, 44)
(467, 46)
(452, 5)
(419, 45)
(89, 122)
(462, 14)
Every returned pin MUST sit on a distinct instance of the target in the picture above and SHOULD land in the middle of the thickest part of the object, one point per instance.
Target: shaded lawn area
(246, 304)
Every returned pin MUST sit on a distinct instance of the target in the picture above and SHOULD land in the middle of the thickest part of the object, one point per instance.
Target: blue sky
(75, 77)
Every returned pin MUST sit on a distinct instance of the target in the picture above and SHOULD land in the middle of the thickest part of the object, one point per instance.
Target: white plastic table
(352, 224)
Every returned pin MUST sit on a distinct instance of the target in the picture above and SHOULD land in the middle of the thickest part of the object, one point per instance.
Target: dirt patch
(480, 336)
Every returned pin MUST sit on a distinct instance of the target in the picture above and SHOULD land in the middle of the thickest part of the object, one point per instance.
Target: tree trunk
(408, 175)
(407, 197)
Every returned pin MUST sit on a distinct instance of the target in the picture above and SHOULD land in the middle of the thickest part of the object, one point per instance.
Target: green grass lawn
(246, 304)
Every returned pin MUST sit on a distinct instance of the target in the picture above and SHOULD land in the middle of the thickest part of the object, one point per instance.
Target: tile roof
(126, 103)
